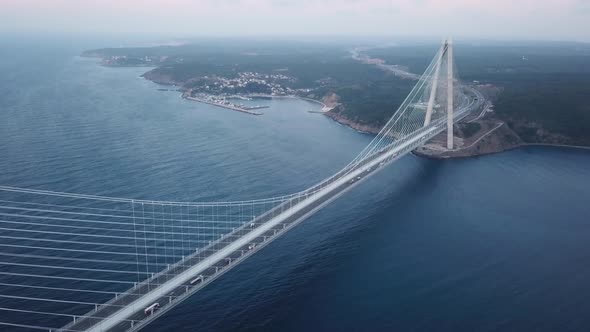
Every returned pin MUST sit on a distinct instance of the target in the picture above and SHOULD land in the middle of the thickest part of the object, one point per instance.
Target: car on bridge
(150, 310)
(197, 280)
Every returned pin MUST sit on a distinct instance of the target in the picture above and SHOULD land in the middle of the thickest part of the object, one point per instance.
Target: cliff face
(336, 115)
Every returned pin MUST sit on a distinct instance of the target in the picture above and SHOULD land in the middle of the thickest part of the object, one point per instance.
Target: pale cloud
(539, 19)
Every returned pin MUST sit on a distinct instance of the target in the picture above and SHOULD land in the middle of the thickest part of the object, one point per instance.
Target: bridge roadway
(172, 286)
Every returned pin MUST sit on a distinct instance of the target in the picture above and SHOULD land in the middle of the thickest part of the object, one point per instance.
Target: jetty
(250, 111)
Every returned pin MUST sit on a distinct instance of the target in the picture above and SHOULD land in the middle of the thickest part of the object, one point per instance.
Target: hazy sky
(531, 19)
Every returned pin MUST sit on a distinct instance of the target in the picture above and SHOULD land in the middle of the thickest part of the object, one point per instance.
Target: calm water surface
(496, 243)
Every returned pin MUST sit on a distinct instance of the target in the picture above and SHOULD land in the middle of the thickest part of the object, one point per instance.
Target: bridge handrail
(259, 220)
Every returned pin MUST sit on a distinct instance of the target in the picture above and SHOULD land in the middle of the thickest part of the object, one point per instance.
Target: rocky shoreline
(160, 78)
(493, 137)
(335, 115)
(508, 148)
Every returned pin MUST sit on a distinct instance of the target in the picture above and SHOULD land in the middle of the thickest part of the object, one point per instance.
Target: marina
(225, 104)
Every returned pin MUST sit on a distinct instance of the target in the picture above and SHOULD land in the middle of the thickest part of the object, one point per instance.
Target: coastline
(579, 147)
(513, 147)
(374, 131)
(361, 128)
(333, 112)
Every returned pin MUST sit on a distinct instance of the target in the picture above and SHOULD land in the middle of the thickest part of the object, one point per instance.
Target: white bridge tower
(450, 117)
(445, 54)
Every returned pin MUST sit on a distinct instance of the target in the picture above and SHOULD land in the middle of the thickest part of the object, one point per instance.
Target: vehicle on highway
(150, 310)
(251, 246)
(197, 280)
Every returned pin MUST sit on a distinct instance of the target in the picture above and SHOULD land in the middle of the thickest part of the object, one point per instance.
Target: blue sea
(493, 243)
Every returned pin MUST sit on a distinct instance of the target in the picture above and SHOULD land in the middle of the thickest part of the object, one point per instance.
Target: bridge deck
(172, 286)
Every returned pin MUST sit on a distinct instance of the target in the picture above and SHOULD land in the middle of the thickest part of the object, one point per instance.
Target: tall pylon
(445, 54)
(450, 94)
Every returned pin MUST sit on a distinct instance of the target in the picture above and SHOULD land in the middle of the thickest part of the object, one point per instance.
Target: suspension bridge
(98, 263)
